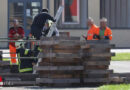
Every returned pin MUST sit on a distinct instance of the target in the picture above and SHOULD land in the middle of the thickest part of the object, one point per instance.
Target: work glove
(106, 37)
(96, 37)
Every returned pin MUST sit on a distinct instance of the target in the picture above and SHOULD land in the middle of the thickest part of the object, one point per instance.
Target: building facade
(74, 17)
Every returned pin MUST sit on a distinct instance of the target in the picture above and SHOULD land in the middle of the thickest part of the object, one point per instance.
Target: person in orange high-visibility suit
(103, 32)
(16, 32)
(92, 29)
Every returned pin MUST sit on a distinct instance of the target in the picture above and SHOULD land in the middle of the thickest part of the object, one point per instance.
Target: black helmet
(45, 10)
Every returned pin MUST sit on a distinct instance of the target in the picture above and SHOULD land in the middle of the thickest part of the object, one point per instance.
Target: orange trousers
(12, 50)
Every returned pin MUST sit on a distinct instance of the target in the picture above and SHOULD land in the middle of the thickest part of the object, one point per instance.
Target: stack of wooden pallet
(15, 79)
(4, 65)
(60, 62)
(69, 61)
(96, 60)
(18, 79)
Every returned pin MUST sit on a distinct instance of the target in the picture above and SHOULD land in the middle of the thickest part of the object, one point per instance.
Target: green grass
(6, 59)
(115, 87)
(121, 57)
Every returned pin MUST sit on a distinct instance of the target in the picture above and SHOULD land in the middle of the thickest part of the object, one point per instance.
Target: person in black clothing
(25, 65)
(39, 22)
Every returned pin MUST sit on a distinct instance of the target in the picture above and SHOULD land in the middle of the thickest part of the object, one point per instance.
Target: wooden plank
(59, 55)
(101, 55)
(97, 71)
(2, 70)
(55, 68)
(47, 43)
(4, 63)
(64, 34)
(98, 41)
(98, 54)
(19, 83)
(57, 76)
(96, 75)
(56, 81)
(64, 43)
(59, 38)
(69, 43)
(99, 67)
(96, 80)
(97, 50)
(18, 75)
(65, 72)
(61, 47)
(12, 79)
(66, 47)
(99, 46)
(65, 51)
(97, 59)
(59, 63)
(62, 60)
(96, 63)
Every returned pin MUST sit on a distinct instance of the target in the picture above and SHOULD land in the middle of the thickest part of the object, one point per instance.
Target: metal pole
(20, 57)
(19, 41)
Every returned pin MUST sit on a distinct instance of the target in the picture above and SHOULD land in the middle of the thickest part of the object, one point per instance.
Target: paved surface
(120, 66)
(37, 88)
(120, 50)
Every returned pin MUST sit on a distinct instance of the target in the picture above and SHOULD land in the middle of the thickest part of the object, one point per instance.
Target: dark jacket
(38, 24)
(41, 18)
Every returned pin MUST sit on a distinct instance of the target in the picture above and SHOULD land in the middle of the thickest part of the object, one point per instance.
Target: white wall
(44, 3)
(94, 10)
(3, 20)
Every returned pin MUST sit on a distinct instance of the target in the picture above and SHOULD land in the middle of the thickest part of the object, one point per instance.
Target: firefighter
(16, 32)
(46, 29)
(103, 32)
(25, 65)
(39, 22)
(92, 29)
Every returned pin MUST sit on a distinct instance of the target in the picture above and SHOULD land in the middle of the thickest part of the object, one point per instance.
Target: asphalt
(120, 66)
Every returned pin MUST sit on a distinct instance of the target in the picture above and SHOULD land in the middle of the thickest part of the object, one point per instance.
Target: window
(71, 12)
(16, 11)
(24, 11)
(32, 9)
(117, 12)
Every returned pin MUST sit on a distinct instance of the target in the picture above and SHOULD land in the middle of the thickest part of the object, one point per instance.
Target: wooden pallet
(96, 62)
(68, 61)
(19, 79)
(60, 61)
